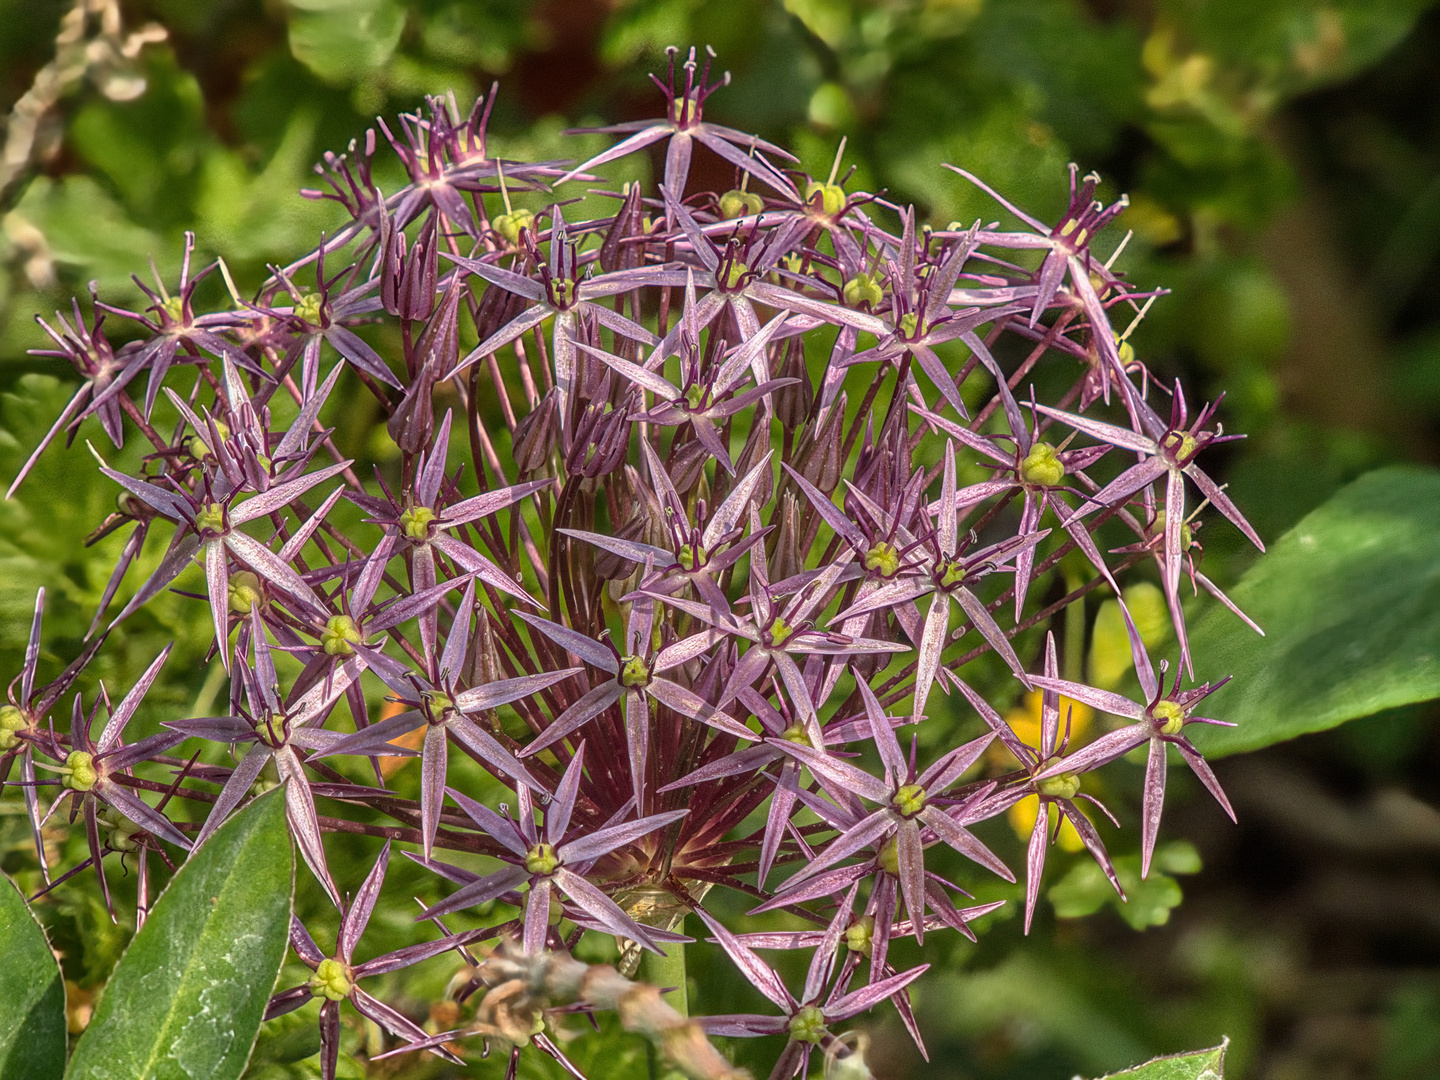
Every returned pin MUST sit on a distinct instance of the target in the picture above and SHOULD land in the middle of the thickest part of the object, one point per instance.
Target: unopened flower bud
(736, 203)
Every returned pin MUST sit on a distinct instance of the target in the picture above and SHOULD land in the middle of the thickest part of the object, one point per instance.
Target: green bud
(210, 519)
(797, 734)
(332, 980)
(883, 559)
(779, 631)
(415, 523)
(80, 771)
(1168, 717)
(245, 592)
(541, 859)
(736, 203)
(1063, 786)
(634, 671)
(808, 1025)
(11, 721)
(909, 800)
(832, 197)
(863, 288)
(509, 225)
(889, 857)
(339, 635)
(1042, 466)
(859, 935)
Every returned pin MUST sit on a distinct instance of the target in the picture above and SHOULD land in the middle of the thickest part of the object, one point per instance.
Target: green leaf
(1347, 600)
(1196, 1065)
(187, 998)
(1085, 889)
(32, 1034)
(343, 40)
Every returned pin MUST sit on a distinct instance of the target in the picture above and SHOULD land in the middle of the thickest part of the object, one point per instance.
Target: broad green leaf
(1196, 1065)
(343, 40)
(32, 1033)
(1347, 600)
(1085, 889)
(187, 997)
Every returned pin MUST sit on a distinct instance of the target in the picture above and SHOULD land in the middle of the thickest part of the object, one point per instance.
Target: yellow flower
(1022, 820)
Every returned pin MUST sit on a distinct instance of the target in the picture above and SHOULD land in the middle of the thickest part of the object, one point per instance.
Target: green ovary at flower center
(736, 203)
(174, 307)
(541, 859)
(564, 293)
(339, 635)
(797, 734)
(122, 830)
(210, 519)
(862, 288)
(695, 396)
(779, 631)
(735, 274)
(859, 936)
(438, 703)
(832, 197)
(909, 800)
(634, 671)
(1042, 466)
(883, 559)
(11, 721)
(1063, 786)
(1169, 717)
(332, 980)
(808, 1025)
(909, 323)
(509, 225)
(952, 574)
(81, 774)
(1180, 445)
(691, 557)
(244, 592)
(889, 856)
(415, 523)
(308, 308)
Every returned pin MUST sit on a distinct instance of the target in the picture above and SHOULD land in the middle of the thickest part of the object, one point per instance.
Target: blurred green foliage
(1278, 185)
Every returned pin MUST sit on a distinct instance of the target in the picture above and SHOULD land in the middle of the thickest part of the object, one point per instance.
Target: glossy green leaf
(1196, 1065)
(32, 1033)
(187, 998)
(1348, 600)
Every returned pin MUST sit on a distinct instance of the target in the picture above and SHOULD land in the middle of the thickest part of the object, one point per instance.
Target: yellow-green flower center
(438, 704)
(735, 274)
(779, 631)
(1042, 466)
(808, 1025)
(797, 734)
(1063, 786)
(415, 523)
(909, 323)
(509, 225)
(832, 197)
(11, 721)
(883, 559)
(863, 289)
(695, 396)
(634, 671)
(210, 519)
(339, 635)
(860, 935)
(1169, 717)
(174, 307)
(80, 771)
(952, 574)
(736, 203)
(332, 980)
(691, 557)
(1180, 445)
(909, 800)
(564, 292)
(122, 830)
(541, 859)
(308, 308)
(245, 592)
(889, 856)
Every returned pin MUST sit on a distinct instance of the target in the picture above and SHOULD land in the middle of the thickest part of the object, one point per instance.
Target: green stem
(668, 971)
(1074, 630)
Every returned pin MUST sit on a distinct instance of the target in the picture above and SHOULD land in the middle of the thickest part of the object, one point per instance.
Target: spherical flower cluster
(690, 512)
